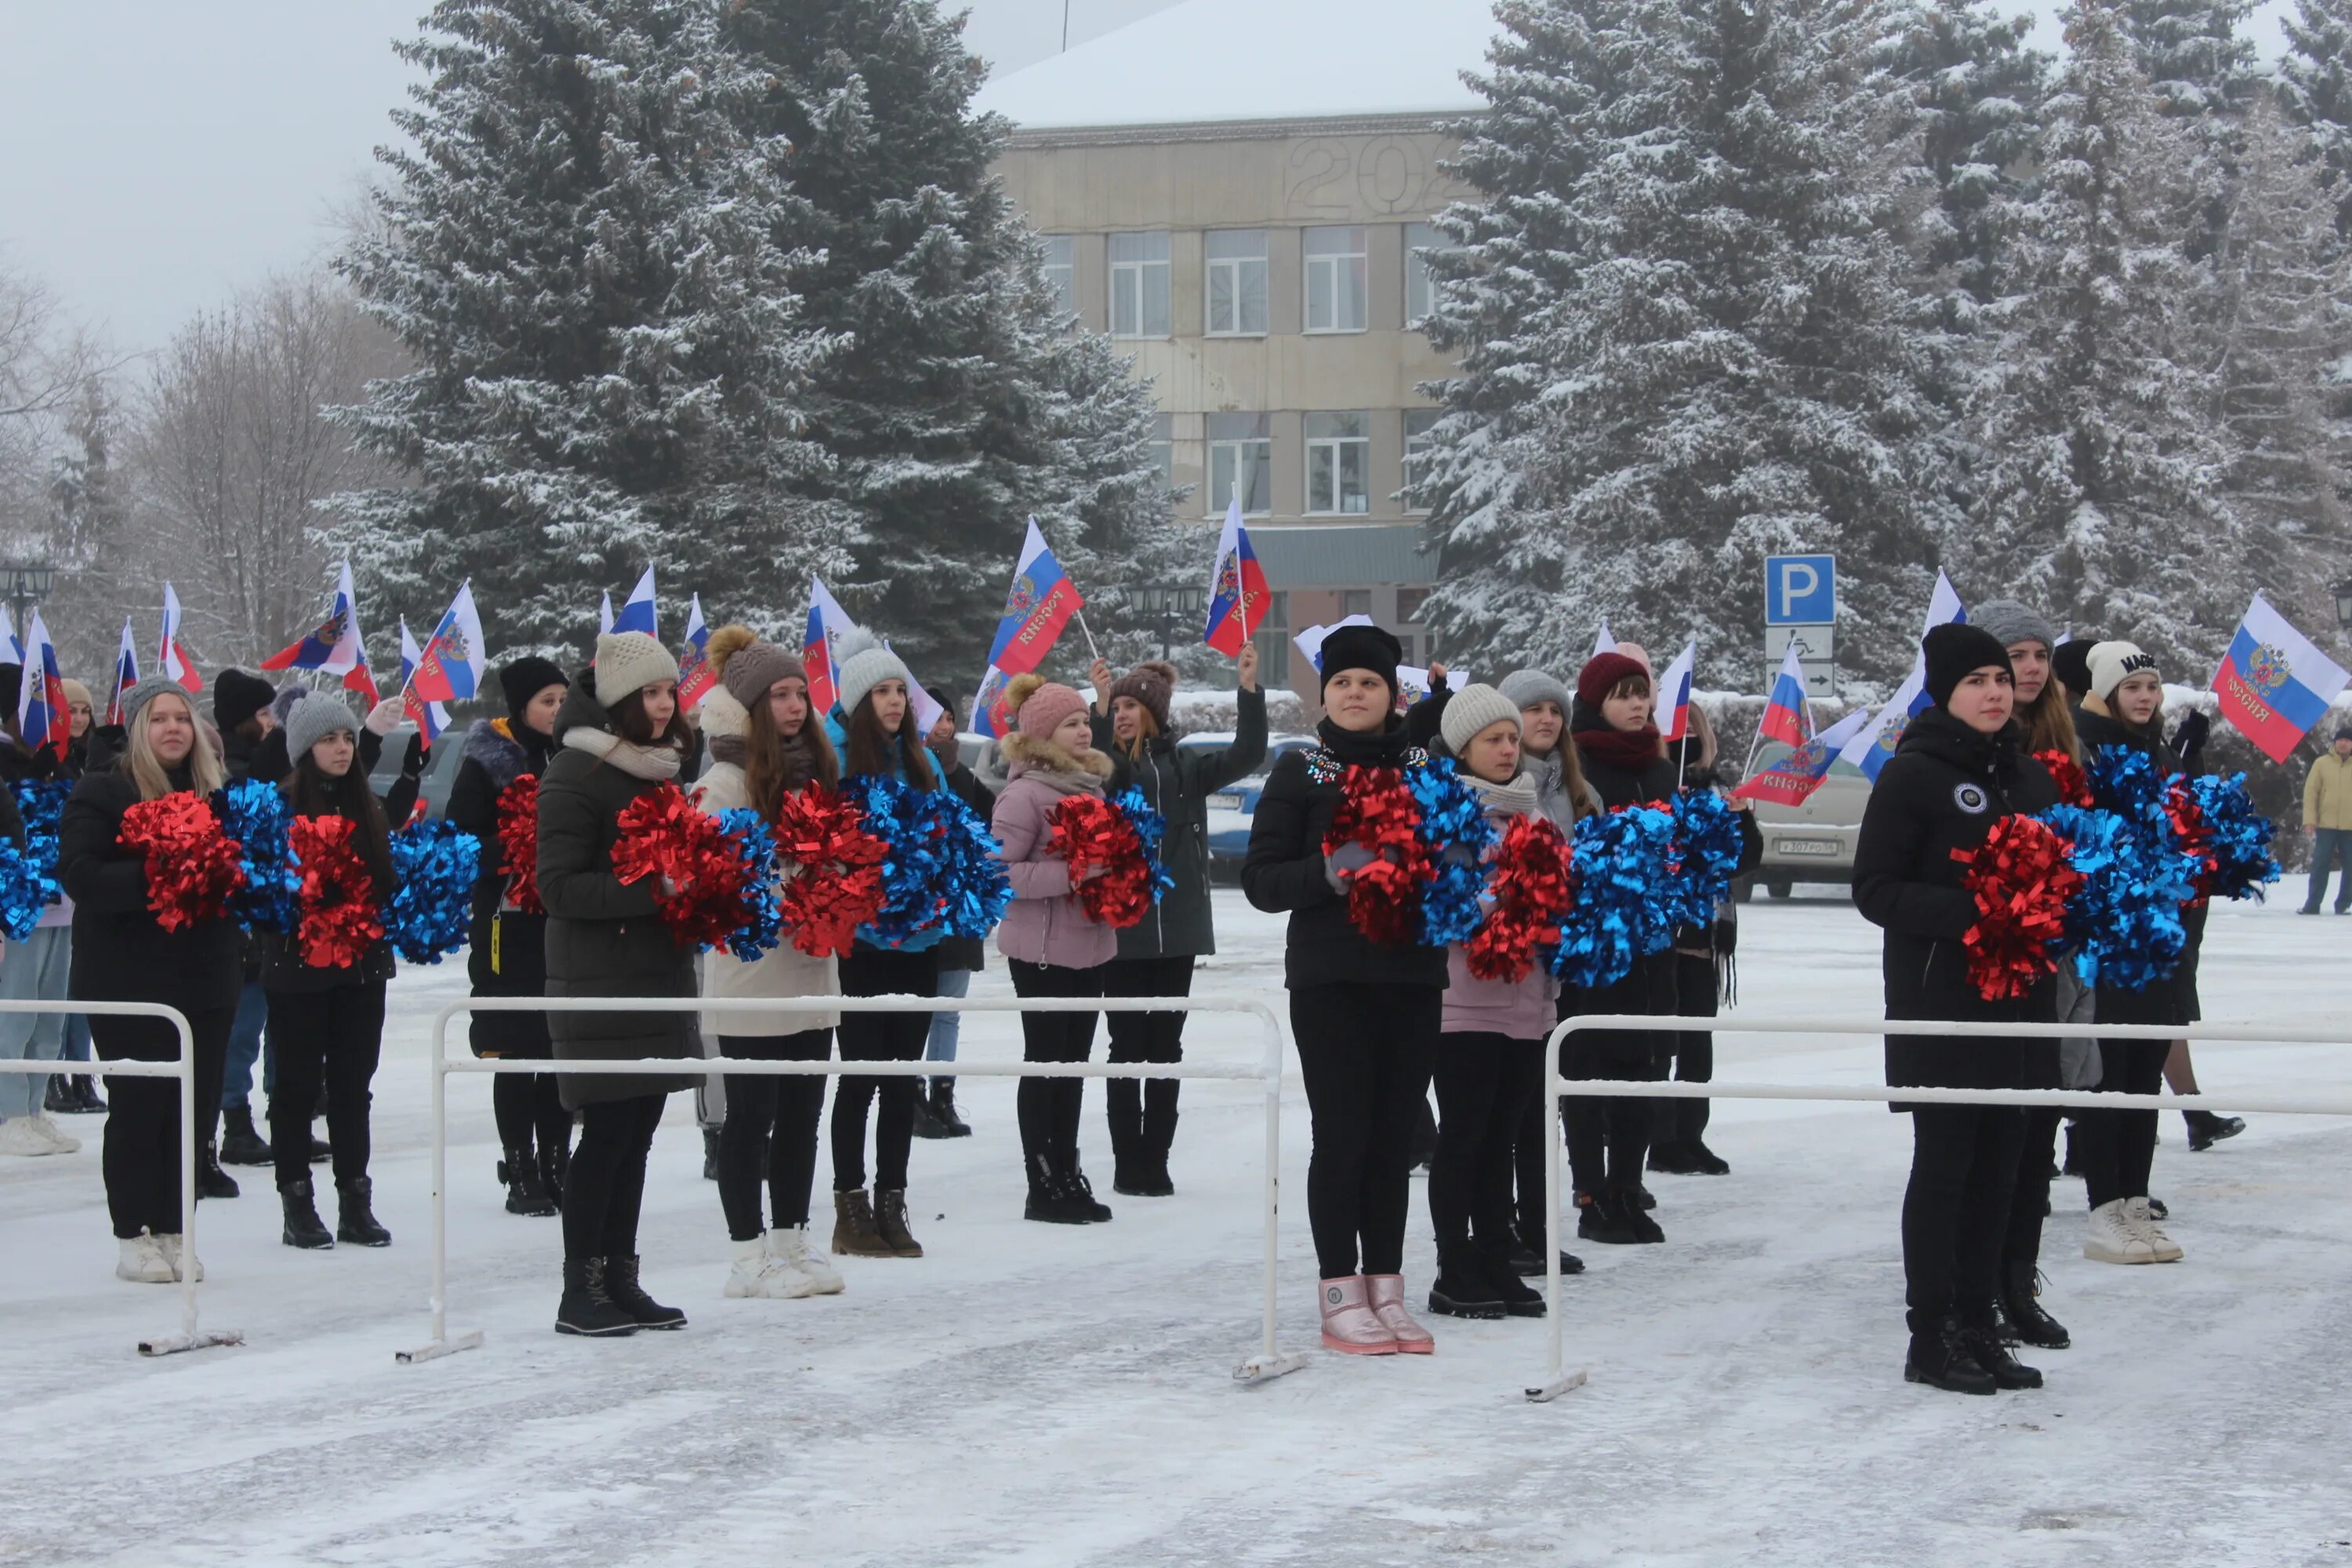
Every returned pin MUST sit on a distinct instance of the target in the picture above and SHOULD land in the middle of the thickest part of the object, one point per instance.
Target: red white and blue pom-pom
(434, 864)
(1089, 832)
(1530, 887)
(835, 885)
(338, 922)
(944, 871)
(193, 869)
(2021, 882)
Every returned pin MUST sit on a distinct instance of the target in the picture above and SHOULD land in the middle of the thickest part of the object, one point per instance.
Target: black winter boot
(211, 1181)
(87, 1099)
(943, 1107)
(1519, 1299)
(927, 1120)
(1461, 1289)
(621, 1285)
(1994, 1358)
(1705, 1161)
(1630, 1204)
(241, 1143)
(1052, 1199)
(1940, 1358)
(525, 1193)
(1599, 1218)
(2205, 1129)
(1123, 1114)
(587, 1307)
(353, 1222)
(303, 1229)
(1673, 1159)
(58, 1099)
(2021, 1298)
(554, 1167)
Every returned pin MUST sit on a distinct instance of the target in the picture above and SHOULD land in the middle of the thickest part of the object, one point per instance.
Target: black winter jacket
(1943, 790)
(1177, 782)
(603, 938)
(507, 951)
(1284, 870)
(120, 952)
(283, 968)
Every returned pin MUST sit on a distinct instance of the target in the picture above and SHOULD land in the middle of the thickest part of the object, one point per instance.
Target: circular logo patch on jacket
(1970, 798)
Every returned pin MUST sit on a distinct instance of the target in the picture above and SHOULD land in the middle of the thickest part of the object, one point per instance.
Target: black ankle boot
(57, 1099)
(211, 1181)
(926, 1118)
(1599, 1218)
(2206, 1128)
(2021, 1300)
(303, 1229)
(353, 1222)
(2005, 1370)
(587, 1309)
(241, 1143)
(1519, 1299)
(555, 1168)
(943, 1106)
(1940, 1358)
(1461, 1289)
(87, 1099)
(525, 1194)
(621, 1285)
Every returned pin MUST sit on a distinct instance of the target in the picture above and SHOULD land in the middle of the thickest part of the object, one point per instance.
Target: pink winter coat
(1046, 924)
(1521, 1010)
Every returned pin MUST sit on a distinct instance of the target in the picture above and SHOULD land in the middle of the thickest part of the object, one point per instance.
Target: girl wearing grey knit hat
(2033, 642)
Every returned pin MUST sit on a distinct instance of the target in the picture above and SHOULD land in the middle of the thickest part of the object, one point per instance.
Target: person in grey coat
(1155, 956)
(618, 738)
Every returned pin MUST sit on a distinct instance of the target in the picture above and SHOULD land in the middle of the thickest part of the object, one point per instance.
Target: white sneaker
(19, 1135)
(175, 1252)
(63, 1142)
(2111, 1239)
(796, 1255)
(748, 1280)
(141, 1261)
(2143, 1225)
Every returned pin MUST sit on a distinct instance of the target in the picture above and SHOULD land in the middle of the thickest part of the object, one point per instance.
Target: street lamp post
(2344, 605)
(25, 583)
(1164, 605)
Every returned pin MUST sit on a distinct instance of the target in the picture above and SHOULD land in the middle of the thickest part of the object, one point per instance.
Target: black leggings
(1696, 997)
(880, 1037)
(328, 1040)
(529, 1109)
(1485, 1084)
(2118, 1148)
(1051, 1108)
(142, 1159)
(2032, 1194)
(1608, 1137)
(1956, 1210)
(1143, 1114)
(770, 1130)
(607, 1185)
(1365, 1052)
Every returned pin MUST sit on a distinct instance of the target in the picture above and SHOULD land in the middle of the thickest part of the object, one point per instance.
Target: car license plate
(1806, 847)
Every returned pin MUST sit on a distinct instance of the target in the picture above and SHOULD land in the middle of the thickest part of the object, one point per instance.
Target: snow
(1036, 1394)
(1213, 60)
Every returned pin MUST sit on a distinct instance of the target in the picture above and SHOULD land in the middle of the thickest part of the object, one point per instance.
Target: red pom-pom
(1089, 831)
(339, 920)
(2193, 834)
(2073, 783)
(1531, 882)
(2021, 881)
(193, 868)
(1376, 812)
(834, 884)
(661, 833)
(518, 843)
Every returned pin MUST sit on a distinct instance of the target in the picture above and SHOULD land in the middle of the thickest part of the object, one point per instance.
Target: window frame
(1062, 275)
(1330, 262)
(1139, 268)
(1262, 480)
(1339, 445)
(1212, 264)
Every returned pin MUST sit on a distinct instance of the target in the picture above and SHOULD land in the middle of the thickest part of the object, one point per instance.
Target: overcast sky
(157, 155)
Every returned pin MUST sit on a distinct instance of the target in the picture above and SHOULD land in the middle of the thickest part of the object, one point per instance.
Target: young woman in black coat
(620, 741)
(122, 953)
(1959, 768)
(507, 953)
(1365, 1017)
(328, 1018)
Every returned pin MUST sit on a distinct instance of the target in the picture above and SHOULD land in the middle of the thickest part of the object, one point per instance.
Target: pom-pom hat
(1151, 683)
(862, 663)
(748, 666)
(1040, 705)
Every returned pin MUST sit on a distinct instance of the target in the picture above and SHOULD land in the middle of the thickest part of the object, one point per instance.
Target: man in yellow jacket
(2327, 817)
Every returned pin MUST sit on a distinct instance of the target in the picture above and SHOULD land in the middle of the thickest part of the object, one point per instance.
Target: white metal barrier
(1558, 1381)
(1270, 1362)
(191, 1337)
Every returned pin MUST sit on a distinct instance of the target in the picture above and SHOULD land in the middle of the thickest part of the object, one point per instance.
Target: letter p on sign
(1799, 590)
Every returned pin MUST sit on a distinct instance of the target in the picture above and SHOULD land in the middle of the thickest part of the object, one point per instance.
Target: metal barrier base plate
(471, 1340)
(204, 1340)
(1260, 1369)
(1545, 1393)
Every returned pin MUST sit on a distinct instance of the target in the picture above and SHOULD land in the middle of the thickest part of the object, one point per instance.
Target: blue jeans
(33, 970)
(245, 1044)
(2329, 846)
(76, 1045)
(947, 1026)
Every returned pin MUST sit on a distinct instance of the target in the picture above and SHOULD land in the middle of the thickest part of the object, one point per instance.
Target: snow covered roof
(1208, 62)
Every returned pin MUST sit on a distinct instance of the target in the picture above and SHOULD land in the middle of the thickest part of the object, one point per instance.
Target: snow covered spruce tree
(580, 253)
(2103, 491)
(2315, 75)
(965, 404)
(1719, 358)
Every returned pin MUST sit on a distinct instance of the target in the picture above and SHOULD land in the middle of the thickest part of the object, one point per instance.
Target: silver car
(1813, 842)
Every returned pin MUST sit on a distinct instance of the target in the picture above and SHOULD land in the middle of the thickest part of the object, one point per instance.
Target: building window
(1409, 604)
(1355, 602)
(1241, 460)
(1272, 638)
(1139, 285)
(1236, 283)
(1062, 267)
(1418, 423)
(1163, 448)
(1420, 292)
(1338, 457)
(1334, 279)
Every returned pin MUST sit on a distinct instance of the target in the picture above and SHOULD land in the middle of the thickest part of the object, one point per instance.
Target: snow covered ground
(1036, 1394)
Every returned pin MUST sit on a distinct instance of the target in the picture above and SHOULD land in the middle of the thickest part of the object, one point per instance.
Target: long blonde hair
(2050, 723)
(206, 771)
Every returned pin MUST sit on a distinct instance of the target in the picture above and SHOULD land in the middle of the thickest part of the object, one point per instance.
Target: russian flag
(988, 714)
(694, 676)
(430, 718)
(1605, 643)
(1792, 780)
(1040, 603)
(171, 655)
(1236, 587)
(2274, 686)
(638, 613)
(126, 674)
(1788, 717)
(333, 646)
(41, 696)
(451, 669)
(604, 614)
(828, 623)
(1673, 717)
(1874, 748)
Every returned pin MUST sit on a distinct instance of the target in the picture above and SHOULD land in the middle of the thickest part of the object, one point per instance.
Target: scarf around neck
(651, 764)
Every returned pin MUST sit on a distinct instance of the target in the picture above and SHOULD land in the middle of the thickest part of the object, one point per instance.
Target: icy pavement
(1038, 1395)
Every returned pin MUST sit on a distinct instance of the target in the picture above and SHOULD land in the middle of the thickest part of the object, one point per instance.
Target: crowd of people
(1375, 1025)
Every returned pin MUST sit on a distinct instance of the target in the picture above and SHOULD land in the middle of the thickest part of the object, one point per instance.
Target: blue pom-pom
(2122, 924)
(1617, 915)
(943, 869)
(1705, 852)
(256, 816)
(1455, 829)
(26, 889)
(978, 892)
(1150, 829)
(755, 844)
(434, 862)
(2243, 863)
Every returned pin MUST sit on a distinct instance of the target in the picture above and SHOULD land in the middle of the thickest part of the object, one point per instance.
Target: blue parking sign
(1799, 590)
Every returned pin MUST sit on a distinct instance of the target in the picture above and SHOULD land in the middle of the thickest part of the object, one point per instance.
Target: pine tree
(86, 534)
(1721, 363)
(2196, 56)
(579, 253)
(2104, 493)
(2317, 77)
(1979, 89)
